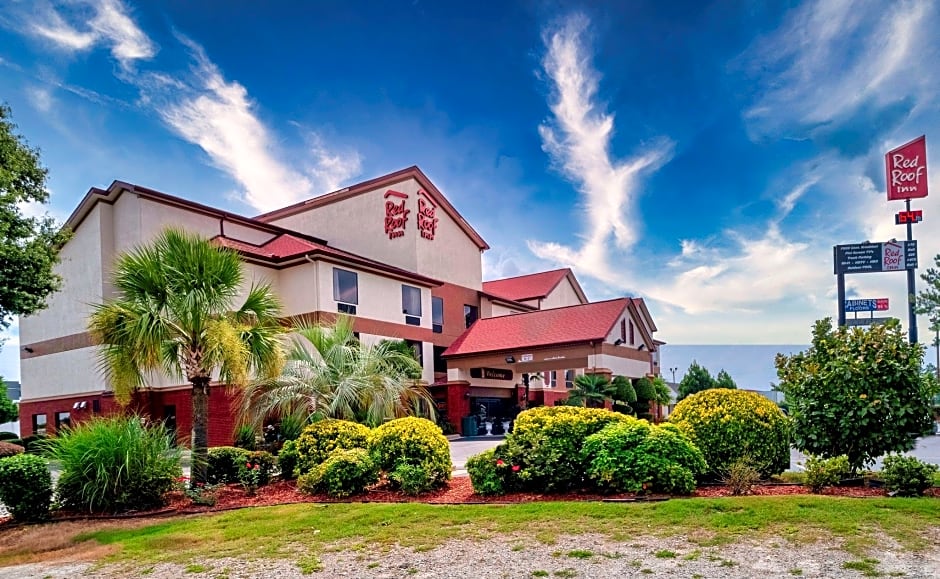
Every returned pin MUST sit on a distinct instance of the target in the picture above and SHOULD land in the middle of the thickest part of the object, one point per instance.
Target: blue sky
(705, 156)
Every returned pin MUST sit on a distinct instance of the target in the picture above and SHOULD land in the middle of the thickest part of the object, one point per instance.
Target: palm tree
(330, 374)
(591, 390)
(174, 314)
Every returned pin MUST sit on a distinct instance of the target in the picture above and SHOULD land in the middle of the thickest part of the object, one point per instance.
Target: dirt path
(581, 556)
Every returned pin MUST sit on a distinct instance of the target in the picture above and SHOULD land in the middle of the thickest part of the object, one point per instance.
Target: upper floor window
(470, 314)
(569, 379)
(623, 330)
(551, 378)
(437, 314)
(411, 304)
(418, 348)
(632, 339)
(346, 290)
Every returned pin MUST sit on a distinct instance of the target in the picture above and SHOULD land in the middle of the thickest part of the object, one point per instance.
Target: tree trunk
(200, 437)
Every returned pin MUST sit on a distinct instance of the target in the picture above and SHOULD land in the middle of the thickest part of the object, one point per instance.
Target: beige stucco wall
(379, 296)
(299, 289)
(563, 295)
(357, 224)
(61, 374)
(620, 366)
(499, 310)
(68, 309)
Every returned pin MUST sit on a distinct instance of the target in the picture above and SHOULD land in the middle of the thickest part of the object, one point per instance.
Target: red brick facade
(158, 405)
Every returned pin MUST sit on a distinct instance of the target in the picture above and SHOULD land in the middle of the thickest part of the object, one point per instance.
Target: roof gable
(369, 186)
(567, 325)
(531, 286)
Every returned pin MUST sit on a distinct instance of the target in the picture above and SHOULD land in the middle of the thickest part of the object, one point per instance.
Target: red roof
(572, 324)
(526, 287)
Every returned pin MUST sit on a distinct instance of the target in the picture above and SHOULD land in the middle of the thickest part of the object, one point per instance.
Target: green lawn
(301, 531)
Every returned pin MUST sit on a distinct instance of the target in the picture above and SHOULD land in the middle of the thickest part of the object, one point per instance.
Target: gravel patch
(522, 557)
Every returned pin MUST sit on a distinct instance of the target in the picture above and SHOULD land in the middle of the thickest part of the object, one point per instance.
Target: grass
(665, 554)
(278, 532)
(580, 554)
(865, 566)
(540, 573)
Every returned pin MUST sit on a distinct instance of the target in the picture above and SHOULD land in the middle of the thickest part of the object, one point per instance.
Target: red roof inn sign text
(396, 214)
(906, 170)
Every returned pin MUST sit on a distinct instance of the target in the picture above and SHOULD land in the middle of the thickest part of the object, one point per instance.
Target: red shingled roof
(526, 287)
(572, 324)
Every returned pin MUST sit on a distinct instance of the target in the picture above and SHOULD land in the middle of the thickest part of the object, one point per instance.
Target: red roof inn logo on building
(906, 169)
(396, 215)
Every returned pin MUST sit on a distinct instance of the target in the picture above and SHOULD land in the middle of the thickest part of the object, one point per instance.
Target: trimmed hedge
(729, 425)
(414, 453)
(320, 439)
(287, 460)
(343, 474)
(907, 476)
(546, 445)
(26, 486)
(8, 436)
(640, 457)
(227, 462)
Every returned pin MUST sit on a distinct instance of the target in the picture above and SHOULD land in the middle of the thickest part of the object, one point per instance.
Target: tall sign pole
(906, 176)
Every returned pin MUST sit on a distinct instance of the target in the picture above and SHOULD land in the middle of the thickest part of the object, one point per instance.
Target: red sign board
(881, 304)
(906, 170)
(905, 217)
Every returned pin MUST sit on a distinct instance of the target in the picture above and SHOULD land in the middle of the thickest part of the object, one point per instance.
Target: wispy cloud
(832, 59)
(87, 24)
(201, 106)
(577, 138)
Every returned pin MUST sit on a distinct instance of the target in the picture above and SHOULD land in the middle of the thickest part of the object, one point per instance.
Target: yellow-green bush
(546, 444)
(641, 457)
(343, 474)
(414, 453)
(728, 425)
(320, 439)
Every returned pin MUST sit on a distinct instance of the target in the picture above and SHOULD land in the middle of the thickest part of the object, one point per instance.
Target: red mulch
(457, 491)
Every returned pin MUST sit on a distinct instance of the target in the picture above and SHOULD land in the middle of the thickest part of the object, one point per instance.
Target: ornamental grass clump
(546, 445)
(319, 440)
(114, 464)
(413, 452)
(640, 457)
(728, 425)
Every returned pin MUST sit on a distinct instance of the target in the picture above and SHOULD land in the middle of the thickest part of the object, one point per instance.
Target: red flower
(182, 479)
(257, 467)
(500, 462)
(515, 468)
(247, 465)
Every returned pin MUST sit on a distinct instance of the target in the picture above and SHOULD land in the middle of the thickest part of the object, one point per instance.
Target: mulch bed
(458, 491)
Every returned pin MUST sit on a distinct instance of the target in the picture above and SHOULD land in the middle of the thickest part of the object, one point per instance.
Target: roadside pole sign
(875, 257)
(905, 217)
(906, 170)
(867, 305)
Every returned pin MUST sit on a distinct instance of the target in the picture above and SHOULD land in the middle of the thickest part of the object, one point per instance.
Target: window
(418, 348)
(631, 334)
(569, 379)
(411, 305)
(440, 364)
(96, 406)
(470, 314)
(39, 424)
(437, 314)
(623, 331)
(346, 290)
(62, 419)
(551, 378)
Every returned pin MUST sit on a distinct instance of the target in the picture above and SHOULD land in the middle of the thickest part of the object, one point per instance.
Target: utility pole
(673, 370)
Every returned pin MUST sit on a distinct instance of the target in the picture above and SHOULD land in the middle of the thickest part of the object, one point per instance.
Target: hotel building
(391, 252)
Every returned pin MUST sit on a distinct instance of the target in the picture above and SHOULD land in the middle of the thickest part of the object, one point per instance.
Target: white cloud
(40, 97)
(577, 139)
(104, 22)
(830, 58)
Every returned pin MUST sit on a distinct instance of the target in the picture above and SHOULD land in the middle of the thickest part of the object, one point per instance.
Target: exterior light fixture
(510, 360)
(618, 341)
(27, 349)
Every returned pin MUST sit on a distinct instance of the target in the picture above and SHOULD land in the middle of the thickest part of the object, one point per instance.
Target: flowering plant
(250, 477)
(200, 493)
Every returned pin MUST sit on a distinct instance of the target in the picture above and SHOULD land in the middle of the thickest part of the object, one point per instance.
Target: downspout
(316, 287)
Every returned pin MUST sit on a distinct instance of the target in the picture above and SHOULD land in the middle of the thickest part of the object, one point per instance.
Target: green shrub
(246, 437)
(25, 486)
(287, 460)
(10, 449)
(741, 476)
(320, 439)
(225, 463)
(906, 476)
(114, 464)
(291, 427)
(636, 456)
(33, 443)
(546, 444)
(8, 436)
(823, 472)
(485, 474)
(343, 474)
(727, 425)
(412, 442)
